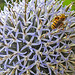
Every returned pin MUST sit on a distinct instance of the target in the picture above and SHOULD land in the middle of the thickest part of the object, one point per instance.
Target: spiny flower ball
(28, 43)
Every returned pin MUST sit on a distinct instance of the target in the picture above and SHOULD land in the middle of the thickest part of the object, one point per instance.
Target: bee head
(63, 17)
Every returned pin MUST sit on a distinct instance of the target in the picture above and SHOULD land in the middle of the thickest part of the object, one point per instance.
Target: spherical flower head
(37, 37)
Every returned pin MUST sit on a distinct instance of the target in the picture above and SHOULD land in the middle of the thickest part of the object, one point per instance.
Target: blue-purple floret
(29, 46)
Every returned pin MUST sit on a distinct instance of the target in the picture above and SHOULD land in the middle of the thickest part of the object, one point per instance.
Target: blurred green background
(2, 3)
(66, 2)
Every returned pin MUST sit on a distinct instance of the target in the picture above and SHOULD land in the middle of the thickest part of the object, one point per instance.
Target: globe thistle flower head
(37, 37)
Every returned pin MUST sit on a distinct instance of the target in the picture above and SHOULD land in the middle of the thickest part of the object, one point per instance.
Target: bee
(58, 21)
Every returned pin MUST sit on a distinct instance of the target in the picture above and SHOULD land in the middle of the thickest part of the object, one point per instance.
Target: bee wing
(55, 18)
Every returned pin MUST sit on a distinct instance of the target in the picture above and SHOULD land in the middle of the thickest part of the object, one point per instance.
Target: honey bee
(58, 21)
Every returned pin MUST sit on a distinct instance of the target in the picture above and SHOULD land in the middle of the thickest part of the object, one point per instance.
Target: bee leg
(62, 28)
(61, 25)
(45, 35)
(66, 35)
(69, 50)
